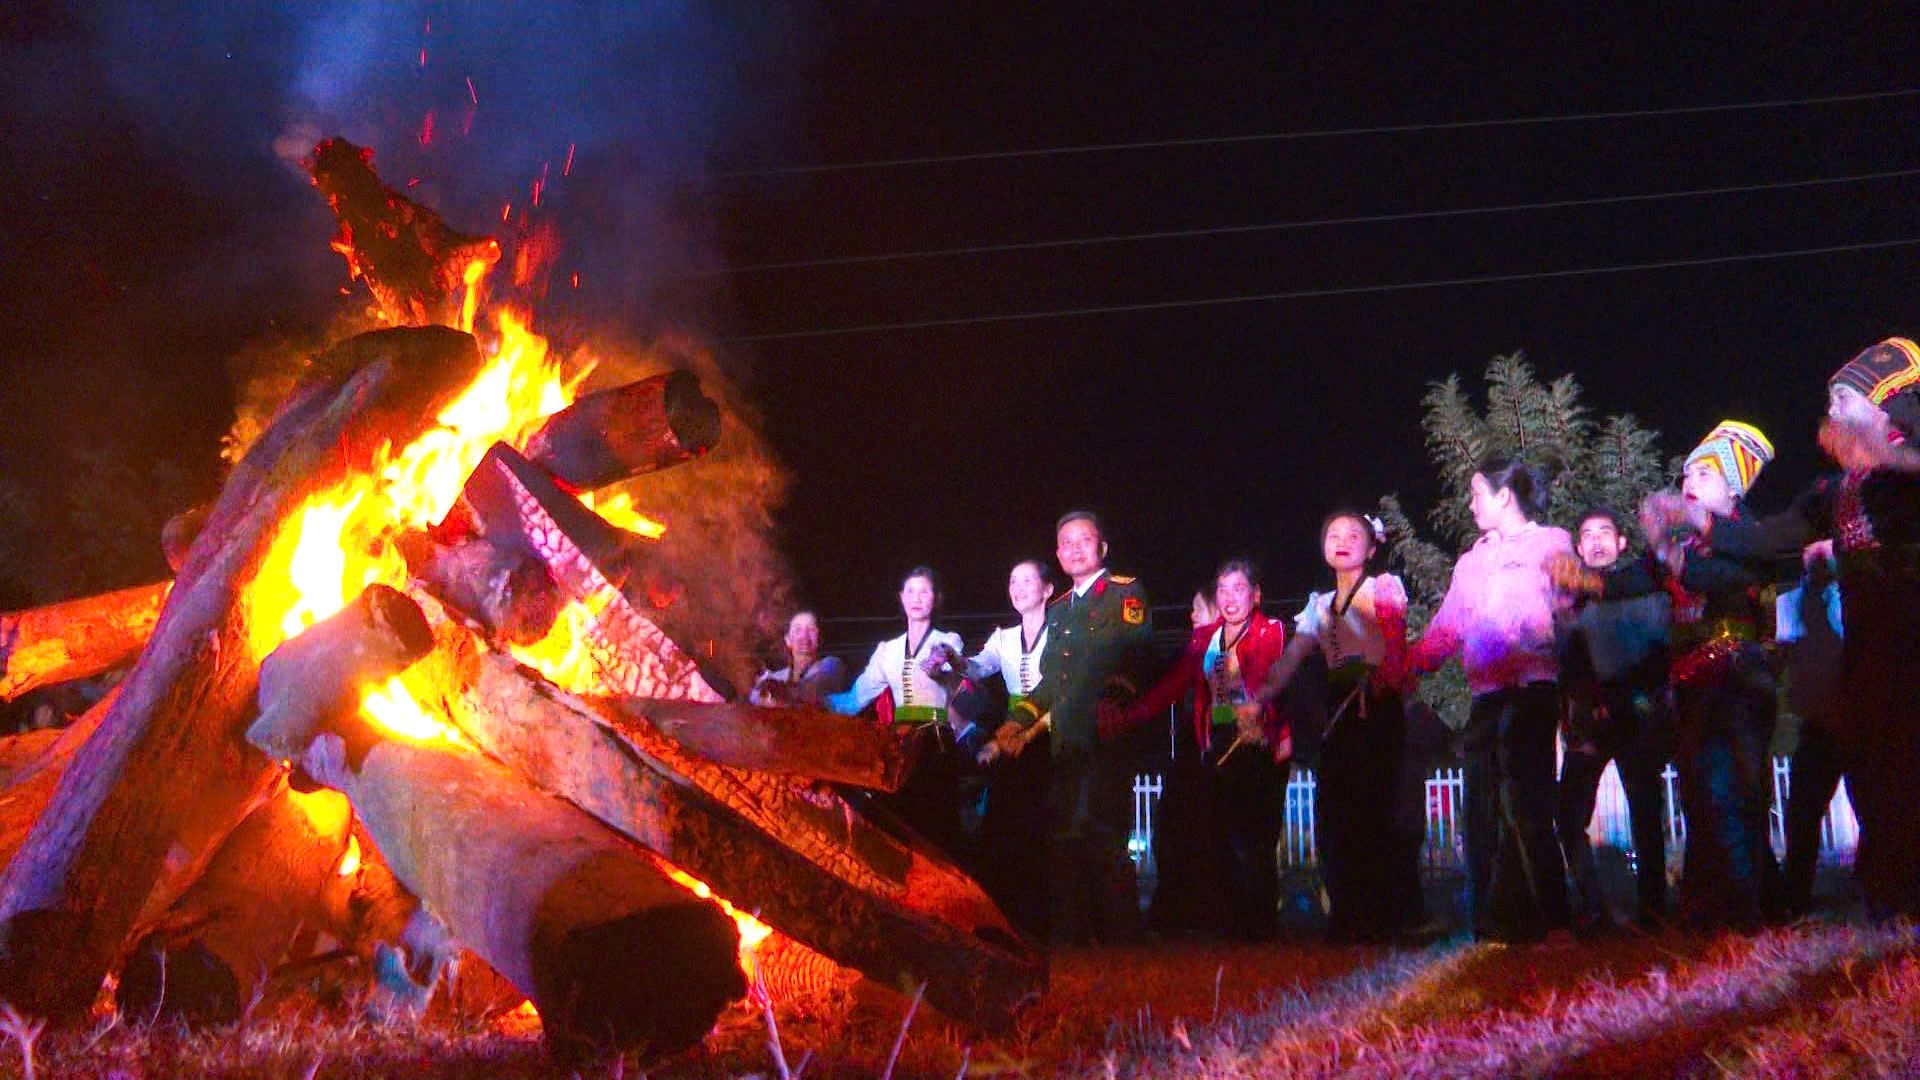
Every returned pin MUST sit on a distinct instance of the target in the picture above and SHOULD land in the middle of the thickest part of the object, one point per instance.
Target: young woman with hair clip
(1371, 863)
(1498, 618)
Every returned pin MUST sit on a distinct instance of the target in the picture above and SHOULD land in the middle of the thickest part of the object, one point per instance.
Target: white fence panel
(1446, 818)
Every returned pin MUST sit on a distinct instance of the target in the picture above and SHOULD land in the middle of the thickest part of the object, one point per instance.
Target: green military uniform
(1098, 649)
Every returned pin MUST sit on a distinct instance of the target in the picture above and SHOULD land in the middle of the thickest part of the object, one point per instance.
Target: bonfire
(417, 701)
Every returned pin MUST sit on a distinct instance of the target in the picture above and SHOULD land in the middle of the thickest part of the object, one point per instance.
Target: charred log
(515, 504)
(503, 590)
(179, 533)
(75, 639)
(212, 952)
(799, 742)
(579, 920)
(414, 264)
(617, 434)
(807, 861)
(147, 800)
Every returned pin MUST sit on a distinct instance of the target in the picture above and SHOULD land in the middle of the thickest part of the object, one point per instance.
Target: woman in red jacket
(1245, 761)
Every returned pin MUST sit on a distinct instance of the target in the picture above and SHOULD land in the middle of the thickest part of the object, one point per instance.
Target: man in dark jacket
(1613, 667)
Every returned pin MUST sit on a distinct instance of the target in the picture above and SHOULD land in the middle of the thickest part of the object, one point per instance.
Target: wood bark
(75, 639)
(213, 950)
(795, 741)
(412, 261)
(613, 953)
(804, 859)
(516, 505)
(618, 434)
(147, 800)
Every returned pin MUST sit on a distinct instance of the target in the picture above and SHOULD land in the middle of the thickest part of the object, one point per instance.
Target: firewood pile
(412, 702)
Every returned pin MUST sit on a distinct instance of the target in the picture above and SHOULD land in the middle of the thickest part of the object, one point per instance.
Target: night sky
(150, 230)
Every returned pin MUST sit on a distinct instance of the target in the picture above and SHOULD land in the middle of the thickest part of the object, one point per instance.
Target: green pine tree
(1615, 461)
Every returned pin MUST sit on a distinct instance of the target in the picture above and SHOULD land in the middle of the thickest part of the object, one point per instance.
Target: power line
(1321, 133)
(1286, 226)
(1307, 294)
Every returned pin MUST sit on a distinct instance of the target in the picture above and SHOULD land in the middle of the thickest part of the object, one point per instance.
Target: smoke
(614, 115)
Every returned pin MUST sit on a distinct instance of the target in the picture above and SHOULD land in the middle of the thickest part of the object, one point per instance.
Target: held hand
(1251, 730)
(1660, 512)
(1248, 713)
(937, 660)
(1283, 750)
(1570, 575)
(1817, 552)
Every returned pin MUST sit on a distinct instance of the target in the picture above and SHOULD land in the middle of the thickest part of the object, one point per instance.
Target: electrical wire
(1306, 294)
(1320, 133)
(1286, 226)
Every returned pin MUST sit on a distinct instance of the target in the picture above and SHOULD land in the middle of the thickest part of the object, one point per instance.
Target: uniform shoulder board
(1059, 597)
(1120, 579)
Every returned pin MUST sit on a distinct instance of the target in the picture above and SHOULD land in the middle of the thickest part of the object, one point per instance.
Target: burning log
(618, 434)
(76, 638)
(800, 742)
(809, 864)
(214, 949)
(179, 533)
(503, 590)
(516, 505)
(612, 952)
(148, 799)
(410, 259)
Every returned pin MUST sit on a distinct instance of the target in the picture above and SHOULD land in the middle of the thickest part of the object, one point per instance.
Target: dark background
(150, 231)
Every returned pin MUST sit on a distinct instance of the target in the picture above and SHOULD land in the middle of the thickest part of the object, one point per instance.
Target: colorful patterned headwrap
(1882, 370)
(1741, 451)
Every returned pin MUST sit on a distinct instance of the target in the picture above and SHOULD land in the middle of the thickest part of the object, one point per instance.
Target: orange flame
(342, 539)
(752, 930)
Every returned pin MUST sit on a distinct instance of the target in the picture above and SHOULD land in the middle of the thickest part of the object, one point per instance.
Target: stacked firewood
(220, 817)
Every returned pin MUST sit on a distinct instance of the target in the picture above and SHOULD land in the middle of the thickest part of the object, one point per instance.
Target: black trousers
(1013, 863)
(1817, 769)
(1514, 866)
(1249, 800)
(1633, 739)
(1729, 877)
(1189, 894)
(1879, 729)
(1091, 889)
(1370, 864)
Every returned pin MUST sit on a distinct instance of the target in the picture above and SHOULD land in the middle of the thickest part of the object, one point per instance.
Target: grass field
(1815, 1000)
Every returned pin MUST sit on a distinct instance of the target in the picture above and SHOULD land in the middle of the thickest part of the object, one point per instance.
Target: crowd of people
(1579, 649)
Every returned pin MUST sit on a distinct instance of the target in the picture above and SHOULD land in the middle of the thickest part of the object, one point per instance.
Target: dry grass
(1812, 1001)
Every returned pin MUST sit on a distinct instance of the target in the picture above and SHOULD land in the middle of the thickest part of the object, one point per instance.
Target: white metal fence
(1446, 826)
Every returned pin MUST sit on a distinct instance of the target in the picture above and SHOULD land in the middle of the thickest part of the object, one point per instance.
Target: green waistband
(1013, 700)
(1224, 716)
(919, 714)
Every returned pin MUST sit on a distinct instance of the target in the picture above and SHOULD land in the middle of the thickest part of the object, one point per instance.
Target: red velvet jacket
(1258, 649)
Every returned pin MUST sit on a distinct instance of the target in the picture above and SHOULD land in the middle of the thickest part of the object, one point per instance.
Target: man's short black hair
(1601, 510)
(1087, 516)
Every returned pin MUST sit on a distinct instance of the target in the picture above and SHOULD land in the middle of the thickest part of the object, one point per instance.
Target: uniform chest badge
(1133, 611)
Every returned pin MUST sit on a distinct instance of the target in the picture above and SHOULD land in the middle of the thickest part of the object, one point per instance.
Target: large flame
(343, 538)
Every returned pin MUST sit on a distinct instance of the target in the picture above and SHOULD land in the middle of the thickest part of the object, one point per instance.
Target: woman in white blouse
(1006, 803)
(929, 797)
(1370, 864)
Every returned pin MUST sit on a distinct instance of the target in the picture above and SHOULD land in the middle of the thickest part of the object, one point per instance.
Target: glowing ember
(752, 930)
(349, 862)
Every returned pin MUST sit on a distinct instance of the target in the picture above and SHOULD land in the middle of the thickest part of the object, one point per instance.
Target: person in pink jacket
(1498, 619)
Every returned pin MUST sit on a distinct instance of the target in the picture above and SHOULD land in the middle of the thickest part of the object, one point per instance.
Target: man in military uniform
(1098, 649)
